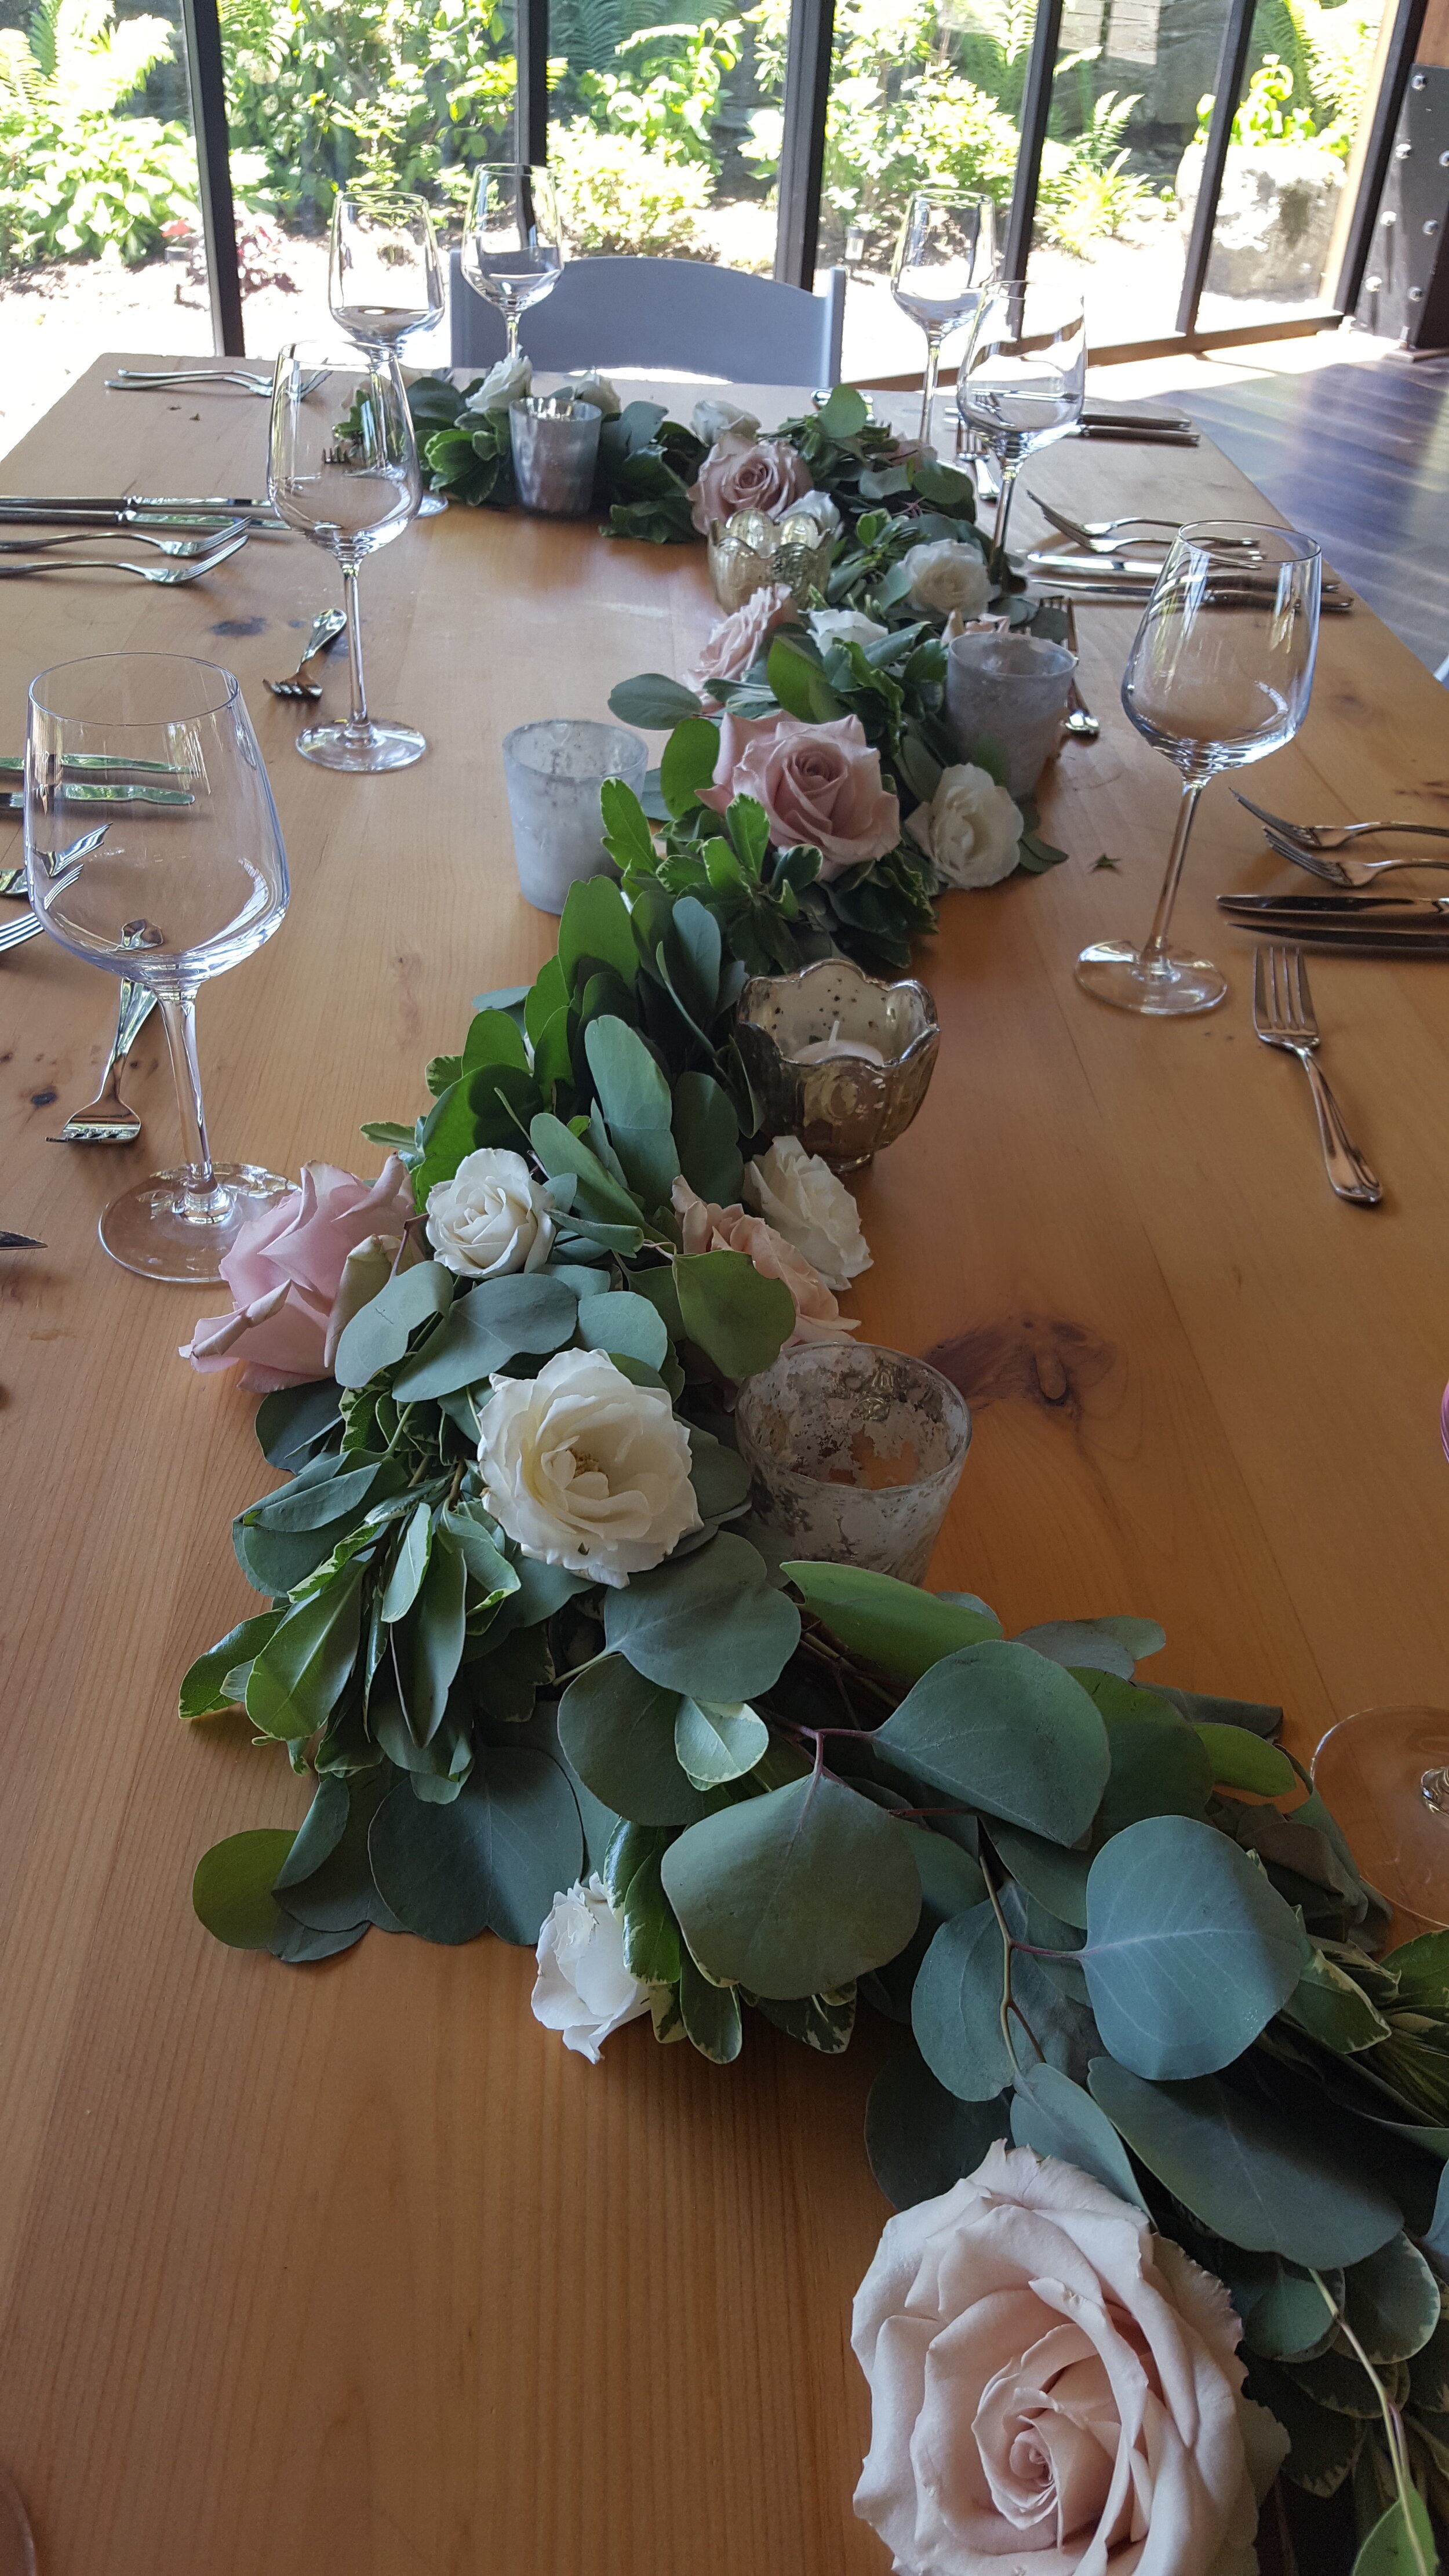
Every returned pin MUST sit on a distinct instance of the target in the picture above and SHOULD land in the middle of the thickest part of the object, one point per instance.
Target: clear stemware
(344, 470)
(513, 248)
(1388, 1769)
(1021, 383)
(385, 278)
(944, 263)
(166, 893)
(1220, 673)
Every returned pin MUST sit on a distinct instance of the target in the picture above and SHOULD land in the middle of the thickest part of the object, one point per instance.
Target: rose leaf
(795, 1892)
(1008, 1731)
(1190, 1949)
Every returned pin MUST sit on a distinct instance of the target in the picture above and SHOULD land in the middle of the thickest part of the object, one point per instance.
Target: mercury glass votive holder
(749, 551)
(854, 1453)
(836, 1058)
(1008, 692)
(553, 772)
(555, 450)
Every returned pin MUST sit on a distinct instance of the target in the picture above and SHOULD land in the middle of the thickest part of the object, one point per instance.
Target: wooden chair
(675, 313)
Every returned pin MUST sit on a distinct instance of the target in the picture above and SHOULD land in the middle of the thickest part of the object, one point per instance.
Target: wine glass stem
(512, 317)
(178, 1013)
(357, 722)
(1003, 515)
(1156, 947)
(928, 394)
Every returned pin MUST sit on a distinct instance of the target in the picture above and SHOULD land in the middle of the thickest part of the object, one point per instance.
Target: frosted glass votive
(1008, 691)
(854, 1453)
(553, 772)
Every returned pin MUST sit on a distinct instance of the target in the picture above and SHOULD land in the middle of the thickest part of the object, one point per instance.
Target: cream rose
(948, 575)
(743, 473)
(844, 626)
(798, 1194)
(600, 392)
(818, 506)
(491, 1217)
(583, 1987)
(505, 383)
(971, 831)
(1053, 2386)
(585, 1469)
(818, 783)
(714, 418)
(706, 1227)
(736, 643)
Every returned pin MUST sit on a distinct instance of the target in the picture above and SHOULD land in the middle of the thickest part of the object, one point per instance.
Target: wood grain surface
(353, 2271)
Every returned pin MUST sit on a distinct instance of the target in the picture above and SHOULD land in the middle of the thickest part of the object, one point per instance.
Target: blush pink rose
(736, 643)
(818, 783)
(742, 473)
(1054, 2386)
(292, 1284)
(707, 1228)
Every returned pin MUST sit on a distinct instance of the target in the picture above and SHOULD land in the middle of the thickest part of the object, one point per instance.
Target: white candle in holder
(827, 1050)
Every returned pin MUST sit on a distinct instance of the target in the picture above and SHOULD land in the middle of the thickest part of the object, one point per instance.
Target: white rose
(505, 383)
(843, 626)
(798, 1194)
(491, 1217)
(714, 416)
(597, 390)
(583, 1987)
(971, 830)
(585, 1469)
(818, 506)
(948, 575)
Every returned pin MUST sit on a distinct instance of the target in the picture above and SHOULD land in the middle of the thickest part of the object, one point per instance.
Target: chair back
(675, 313)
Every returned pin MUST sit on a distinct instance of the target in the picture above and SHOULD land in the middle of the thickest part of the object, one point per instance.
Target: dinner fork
(135, 380)
(1081, 725)
(172, 574)
(106, 1120)
(326, 628)
(1344, 872)
(1332, 836)
(184, 548)
(1283, 1017)
(13, 934)
(1088, 531)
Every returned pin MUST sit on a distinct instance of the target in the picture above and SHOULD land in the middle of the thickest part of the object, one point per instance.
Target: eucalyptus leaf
(740, 1319)
(1007, 1731)
(291, 1419)
(1391, 2302)
(340, 1893)
(1286, 2318)
(487, 1566)
(1202, 1709)
(312, 1499)
(795, 1892)
(921, 2139)
(1056, 2117)
(408, 1566)
(687, 763)
(599, 1194)
(654, 703)
(625, 1325)
(711, 2014)
(1087, 1642)
(1160, 1766)
(231, 1890)
(1056, 1878)
(617, 1730)
(707, 1625)
(596, 924)
(428, 1646)
(707, 1138)
(1241, 1760)
(1401, 2542)
(377, 1336)
(529, 1310)
(298, 1675)
(1190, 1950)
(203, 1688)
(956, 2005)
(691, 951)
(321, 1831)
(714, 1744)
(890, 1623)
(638, 1106)
(492, 1860)
(719, 1475)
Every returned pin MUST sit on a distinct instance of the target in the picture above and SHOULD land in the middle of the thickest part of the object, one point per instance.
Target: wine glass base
(432, 505)
(1166, 988)
(149, 1231)
(369, 747)
(1370, 1772)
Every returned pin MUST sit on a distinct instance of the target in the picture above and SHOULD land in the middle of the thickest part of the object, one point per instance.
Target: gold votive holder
(837, 1058)
(749, 551)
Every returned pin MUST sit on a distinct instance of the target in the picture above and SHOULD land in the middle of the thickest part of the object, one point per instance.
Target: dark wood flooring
(1358, 456)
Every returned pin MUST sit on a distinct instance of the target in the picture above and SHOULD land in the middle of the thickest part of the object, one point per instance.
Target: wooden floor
(1358, 455)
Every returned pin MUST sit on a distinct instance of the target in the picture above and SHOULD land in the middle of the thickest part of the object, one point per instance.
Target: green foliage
(76, 177)
(615, 194)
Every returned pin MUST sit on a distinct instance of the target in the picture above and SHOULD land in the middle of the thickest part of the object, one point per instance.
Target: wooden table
(354, 2271)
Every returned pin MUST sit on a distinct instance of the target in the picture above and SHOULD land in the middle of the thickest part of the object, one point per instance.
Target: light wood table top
(354, 2271)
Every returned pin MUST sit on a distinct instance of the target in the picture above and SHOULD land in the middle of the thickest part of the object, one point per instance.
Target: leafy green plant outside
(76, 177)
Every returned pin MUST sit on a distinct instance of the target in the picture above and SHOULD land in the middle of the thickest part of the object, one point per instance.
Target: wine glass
(1388, 1768)
(942, 266)
(513, 246)
(166, 892)
(1021, 383)
(344, 470)
(1220, 673)
(385, 278)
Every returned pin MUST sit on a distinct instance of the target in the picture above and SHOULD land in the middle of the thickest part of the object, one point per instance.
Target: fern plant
(77, 61)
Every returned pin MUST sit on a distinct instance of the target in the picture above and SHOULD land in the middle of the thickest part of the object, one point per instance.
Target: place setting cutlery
(136, 380)
(140, 509)
(326, 630)
(107, 1120)
(1097, 534)
(1129, 578)
(21, 1242)
(1284, 1017)
(1316, 837)
(1081, 724)
(170, 575)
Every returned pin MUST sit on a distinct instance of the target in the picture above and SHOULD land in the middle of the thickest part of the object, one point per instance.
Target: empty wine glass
(942, 266)
(1388, 1768)
(513, 245)
(1021, 383)
(167, 892)
(385, 278)
(344, 470)
(1220, 673)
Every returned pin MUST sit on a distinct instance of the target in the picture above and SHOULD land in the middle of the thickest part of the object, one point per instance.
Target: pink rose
(742, 473)
(1053, 2385)
(736, 643)
(707, 1228)
(818, 783)
(300, 1272)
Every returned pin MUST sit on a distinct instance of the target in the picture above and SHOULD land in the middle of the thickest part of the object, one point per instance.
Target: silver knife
(107, 794)
(101, 764)
(1144, 569)
(212, 505)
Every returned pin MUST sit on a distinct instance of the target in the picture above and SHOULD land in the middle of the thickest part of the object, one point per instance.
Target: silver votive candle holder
(555, 451)
(837, 1058)
(854, 1454)
(554, 771)
(1008, 694)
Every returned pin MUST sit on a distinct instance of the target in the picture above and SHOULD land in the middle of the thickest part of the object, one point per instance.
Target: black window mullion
(1398, 63)
(802, 150)
(1036, 107)
(1228, 89)
(530, 46)
(213, 171)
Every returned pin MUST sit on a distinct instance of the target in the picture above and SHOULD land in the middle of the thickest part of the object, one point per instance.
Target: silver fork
(134, 380)
(1088, 531)
(1332, 836)
(1344, 872)
(1283, 1017)
(1082, 725)
(13, 934)
(184, 548)
(325, 630)
(106, 1120)
(172, 574)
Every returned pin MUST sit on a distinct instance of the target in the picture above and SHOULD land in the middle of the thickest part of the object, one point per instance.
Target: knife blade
(1102, 416)
(1339, 899)
(1146, 570)
(100, 764)
(211, 505)
(14, 801)
(1138, 437)
(1134, 595)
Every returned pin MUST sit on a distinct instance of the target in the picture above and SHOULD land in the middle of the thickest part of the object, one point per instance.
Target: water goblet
(344, 470)
(942, 267)
(166, 893)
(1021, 383)
(385, 277)
(1220, 673)
(513, 247)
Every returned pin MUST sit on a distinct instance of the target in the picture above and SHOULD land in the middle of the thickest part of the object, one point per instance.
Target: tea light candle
(828, 1050)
